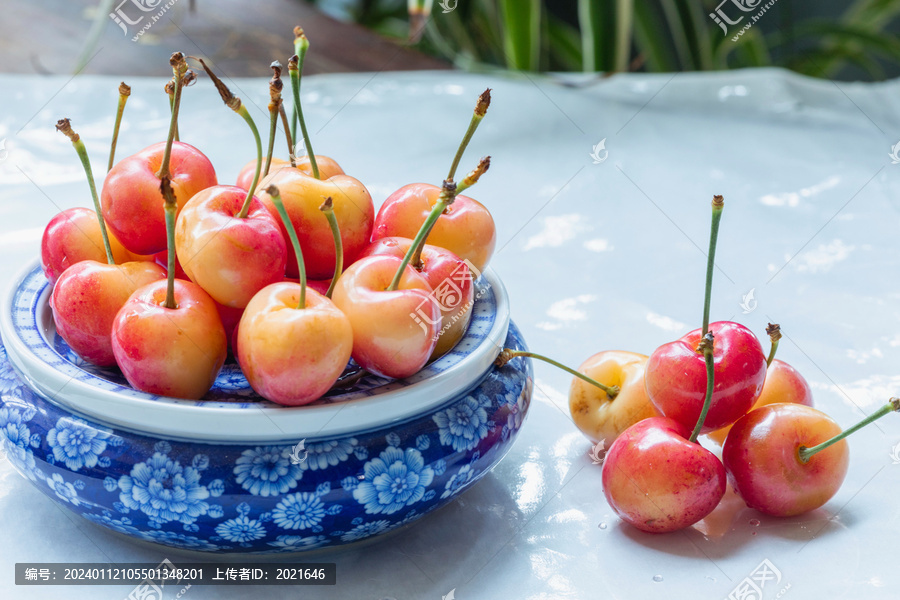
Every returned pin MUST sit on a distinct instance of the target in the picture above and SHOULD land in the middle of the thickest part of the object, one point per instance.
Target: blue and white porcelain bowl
(227, 473)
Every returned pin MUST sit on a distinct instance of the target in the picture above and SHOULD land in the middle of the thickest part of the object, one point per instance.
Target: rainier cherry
(168, 338)
(783, 384)
(788, 459)
(303, 194)
(88, 294)
(292, 342)
(603, 415)
(228, 242)
(675, 376)
(466, 229)
(132, 205)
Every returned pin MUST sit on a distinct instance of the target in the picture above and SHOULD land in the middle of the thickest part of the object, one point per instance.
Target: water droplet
(602, 525)
(754, 522)
(657, 578)
(752, 533)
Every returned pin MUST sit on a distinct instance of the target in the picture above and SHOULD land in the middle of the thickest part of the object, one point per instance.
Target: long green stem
(717, 204)
(706, 346)
(246, 206)
(165, 186)
(508, 354)
(273, 126)
(328, 208)
(179, 68)
(170, 90)
(292, 233)
(65, 126)
(892, 406)
(295, 67)
(481, 107)
(235, 104)
(448, 194)
(299, 36)
(774, 331)
(124, 92)
(447, 197)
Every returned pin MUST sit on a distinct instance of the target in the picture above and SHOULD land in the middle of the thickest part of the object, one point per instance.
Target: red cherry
(86, 299)
(676, 376)
(658, 481)
(765, 469)
(132, 202)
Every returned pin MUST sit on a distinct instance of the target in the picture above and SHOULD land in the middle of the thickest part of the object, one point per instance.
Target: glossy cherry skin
(73, 236)
(289, 355)
(761, 455)
(231, 258)
(451, 280)
(132, 204)
(302, 196)
(598, 417)
(230, 318)
(676, 376)
(162, 259)
(783, 383)
(658, 481)
(86, 299)
(175, 352)
(391, 338)
(328, 167)
(466, 228)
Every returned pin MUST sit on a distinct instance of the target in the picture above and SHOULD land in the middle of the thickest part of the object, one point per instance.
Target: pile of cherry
(780, 455)
(170, 270)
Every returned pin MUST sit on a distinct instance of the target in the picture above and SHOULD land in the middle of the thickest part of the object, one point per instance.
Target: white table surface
(595, 256)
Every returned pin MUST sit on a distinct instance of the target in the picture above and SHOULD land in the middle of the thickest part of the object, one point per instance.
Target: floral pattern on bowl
(263, 498)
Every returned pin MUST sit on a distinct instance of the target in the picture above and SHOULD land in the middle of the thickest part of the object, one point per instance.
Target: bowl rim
(190, 420)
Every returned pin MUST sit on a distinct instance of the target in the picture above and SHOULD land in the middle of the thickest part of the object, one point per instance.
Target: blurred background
(837, 39)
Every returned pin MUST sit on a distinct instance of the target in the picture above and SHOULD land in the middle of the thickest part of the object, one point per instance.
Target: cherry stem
(717, 204)
(508, 354)
(328, 208)
(170, 90)
(299, 36)
(484, 102)
(448, 194)
(275, 102)
(165, 186)
(774, 331)
(235, 104)
(292, 233)
(706, 347)
(65, 126)
(287, 133)
(124, 92)
(892, 406)
(246, 207)
(471, 179)
(295, 67)
(179, 68)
